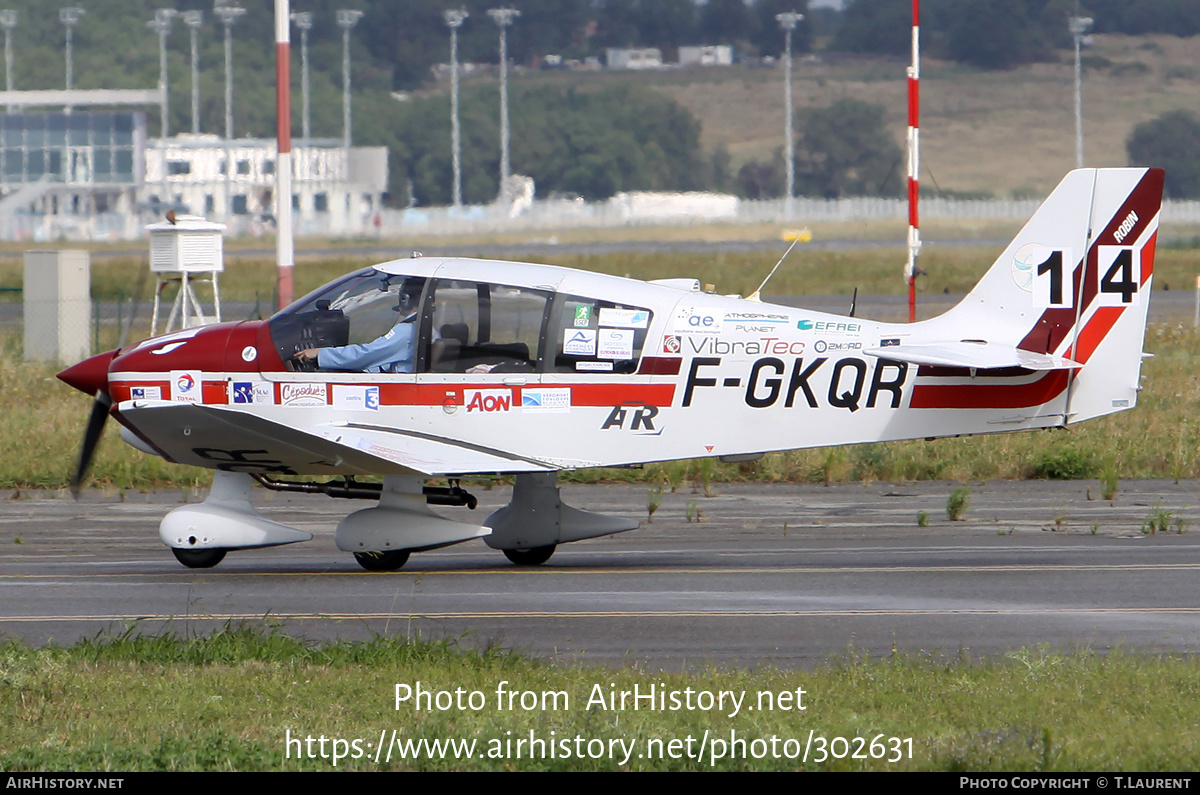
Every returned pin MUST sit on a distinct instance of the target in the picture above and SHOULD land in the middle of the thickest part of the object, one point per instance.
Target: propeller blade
(91, 437)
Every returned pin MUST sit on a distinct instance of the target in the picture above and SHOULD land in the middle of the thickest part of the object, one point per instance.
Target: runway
(789, 575)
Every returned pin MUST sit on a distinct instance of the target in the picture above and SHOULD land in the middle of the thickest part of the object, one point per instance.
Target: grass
(229, 700)
(958, 502)
(807, 271)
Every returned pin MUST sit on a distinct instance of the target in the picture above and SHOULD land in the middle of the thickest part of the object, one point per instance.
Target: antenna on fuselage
(803, 236)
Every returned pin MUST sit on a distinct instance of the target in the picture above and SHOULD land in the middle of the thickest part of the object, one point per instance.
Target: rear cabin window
(595, 336)
(485, 328)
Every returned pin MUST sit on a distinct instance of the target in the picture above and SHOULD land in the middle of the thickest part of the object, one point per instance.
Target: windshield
(356, 309)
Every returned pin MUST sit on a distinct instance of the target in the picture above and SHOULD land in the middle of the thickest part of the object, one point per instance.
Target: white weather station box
(189, 245)
(184, 249)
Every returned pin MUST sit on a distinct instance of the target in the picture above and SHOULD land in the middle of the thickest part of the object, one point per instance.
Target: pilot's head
(408, 299)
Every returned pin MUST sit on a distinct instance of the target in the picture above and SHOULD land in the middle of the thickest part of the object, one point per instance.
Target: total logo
(488, 400)
(186, 386)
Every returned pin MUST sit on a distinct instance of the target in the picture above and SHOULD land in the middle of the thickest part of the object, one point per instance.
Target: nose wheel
(382, 561)
(199, 558)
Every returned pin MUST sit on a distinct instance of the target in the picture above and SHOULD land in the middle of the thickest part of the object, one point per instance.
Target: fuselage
(539, 367)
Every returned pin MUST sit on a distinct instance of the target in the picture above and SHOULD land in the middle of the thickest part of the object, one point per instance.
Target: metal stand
(187, 307)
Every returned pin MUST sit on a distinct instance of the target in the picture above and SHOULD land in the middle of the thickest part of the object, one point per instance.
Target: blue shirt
(391, 353)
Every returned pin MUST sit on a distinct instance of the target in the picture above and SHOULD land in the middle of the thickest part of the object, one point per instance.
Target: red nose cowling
(91, 375)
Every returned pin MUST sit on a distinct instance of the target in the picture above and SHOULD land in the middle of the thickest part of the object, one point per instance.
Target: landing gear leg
(536, 521)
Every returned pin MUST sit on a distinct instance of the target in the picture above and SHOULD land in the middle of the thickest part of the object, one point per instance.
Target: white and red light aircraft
(527, 370)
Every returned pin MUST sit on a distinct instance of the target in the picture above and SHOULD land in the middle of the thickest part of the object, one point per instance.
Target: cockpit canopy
(467, 326)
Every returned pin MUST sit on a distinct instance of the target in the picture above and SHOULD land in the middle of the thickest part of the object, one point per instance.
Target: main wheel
(535, 556)
(382, 561)
(199, 558)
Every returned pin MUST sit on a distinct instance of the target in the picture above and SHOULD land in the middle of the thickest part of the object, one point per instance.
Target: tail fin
(1068, 296)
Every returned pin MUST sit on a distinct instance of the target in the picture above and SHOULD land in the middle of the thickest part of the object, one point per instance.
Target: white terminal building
(335, 190)
(93, 174)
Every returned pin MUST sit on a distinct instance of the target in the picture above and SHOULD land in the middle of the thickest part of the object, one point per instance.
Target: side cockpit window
(596, 336)
(478, 328)
(343, 319)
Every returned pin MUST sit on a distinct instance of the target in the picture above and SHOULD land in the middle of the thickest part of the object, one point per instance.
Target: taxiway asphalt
(781, 574)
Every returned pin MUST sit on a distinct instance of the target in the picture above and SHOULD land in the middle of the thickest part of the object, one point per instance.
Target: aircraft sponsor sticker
(615, 343)
(595, 366)
(355, 397)
(758, 347)
(249, 353)
(583, 316)
(755, 321)
(829, 326)
(252, 392)
(624, 318)
(694, 320)
(579, 342)
(890, 342)
(487, 401)
(821, 346)
(303, 394)
(545, 401)
(186, 386)
(672, 344)
(145, 393)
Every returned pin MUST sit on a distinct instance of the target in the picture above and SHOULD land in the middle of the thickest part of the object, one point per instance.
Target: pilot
(393, 352)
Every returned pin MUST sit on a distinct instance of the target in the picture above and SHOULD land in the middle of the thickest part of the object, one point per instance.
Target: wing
(220, 438)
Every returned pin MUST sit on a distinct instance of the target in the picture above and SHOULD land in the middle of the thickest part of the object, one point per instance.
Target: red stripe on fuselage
(408, 394)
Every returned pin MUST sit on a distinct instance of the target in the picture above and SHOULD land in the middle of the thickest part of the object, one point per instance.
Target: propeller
(91, 437)
(91, 376)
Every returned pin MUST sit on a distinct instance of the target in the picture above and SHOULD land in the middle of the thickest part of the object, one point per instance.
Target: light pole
(1078, 27)
(161, 25)
(193, 20)
(69, 16)
(455, 19)
(228, 15)
(788, 21)
(303, 21)
(503, 17)
(346, 18)
(8, 20)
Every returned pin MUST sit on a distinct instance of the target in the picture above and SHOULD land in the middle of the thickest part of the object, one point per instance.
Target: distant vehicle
(480, 367)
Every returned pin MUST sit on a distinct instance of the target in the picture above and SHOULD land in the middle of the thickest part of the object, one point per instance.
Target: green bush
(1065, 463)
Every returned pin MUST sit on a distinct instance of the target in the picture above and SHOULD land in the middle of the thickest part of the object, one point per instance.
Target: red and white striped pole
(284, 252)
(914, 163)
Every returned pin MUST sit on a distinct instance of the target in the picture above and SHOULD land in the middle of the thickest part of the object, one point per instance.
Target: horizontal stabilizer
(977, 355)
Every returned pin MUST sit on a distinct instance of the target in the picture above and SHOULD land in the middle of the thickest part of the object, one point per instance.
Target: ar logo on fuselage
(633, 417)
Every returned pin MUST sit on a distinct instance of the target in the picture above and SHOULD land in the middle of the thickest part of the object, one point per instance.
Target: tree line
(591, 143)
